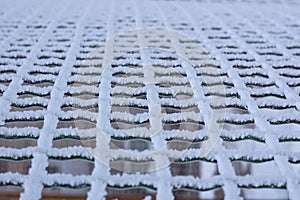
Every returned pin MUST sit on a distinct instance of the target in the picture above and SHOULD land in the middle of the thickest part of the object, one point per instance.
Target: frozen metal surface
(89, 90)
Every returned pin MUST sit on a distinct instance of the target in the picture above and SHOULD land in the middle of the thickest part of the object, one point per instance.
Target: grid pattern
(63, 81)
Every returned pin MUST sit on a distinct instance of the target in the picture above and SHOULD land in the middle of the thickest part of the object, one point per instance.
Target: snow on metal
(165, 99)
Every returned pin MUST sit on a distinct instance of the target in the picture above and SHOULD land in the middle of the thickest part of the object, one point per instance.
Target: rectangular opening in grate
(63, 143)
(64, 193)
(80, 123)
(216, 193)
(17, 143)
(24, 123)
(10, 192)
(256, 169)
(201, 169)
(132, 144)
(131, 193)
(264, 193)
(244, 145)
(20, 166)
(132, 166)
(251, 48)
(72, 166)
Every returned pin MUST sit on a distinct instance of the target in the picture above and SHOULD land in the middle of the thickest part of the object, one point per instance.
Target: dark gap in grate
(78, 84)
(79, 123)
(207, 65)
(127, 125)
(130, 65)
(237, 125)
(219, 37)
(86, 95)
(63, 143)
(220, 74)
(241, 59)
(263, 193)
(165, 96)
(17, 142)
(132, 109)
(72, 166)
(83, 82)
(32, 94)
(42, 84)
(166, 66)
(66, 193)
(170, 74)
(10, 192)
(246, 66)
(227, 84)
(168, 84)
(50, 64)
(189, 125)
(234, 95)
(133, 85)
(277, 107)
(16, 108)
(284, 121)
(290, 75)
(130, 75)
(139, 95)
(21, 167)
(134, 144)
(89, 58)
(245, 143)
(184, 95)
(255, 168)
(169, 109)
(168, 58)
(233, 105)
(270, 54)
(5, 82)
(8, 71)
(236, 121)
(254, 74)
(24, 123)
(133, 192)
(260, 85)
(200, 169)
(227, 46)
(236, 110)
(83, 73)
(39, 82)
(255, 42)
(293, 47)
(36, 73)
(44, 57)
(191, 193)
(281, 96)
(235, 53)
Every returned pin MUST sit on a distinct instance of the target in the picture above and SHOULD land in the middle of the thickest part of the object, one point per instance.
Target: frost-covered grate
(65, 77)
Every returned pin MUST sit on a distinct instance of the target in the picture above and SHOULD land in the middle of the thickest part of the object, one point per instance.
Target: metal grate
(149, 99)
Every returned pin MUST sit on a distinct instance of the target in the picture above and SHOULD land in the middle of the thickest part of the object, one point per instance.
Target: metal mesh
(54, 99)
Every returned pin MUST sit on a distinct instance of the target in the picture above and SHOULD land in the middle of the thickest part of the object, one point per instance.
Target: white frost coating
(11, 93)
(101, 169)
(270, 139)
(260, 122)
(230, 189)
(255, 52)
(32, 185)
